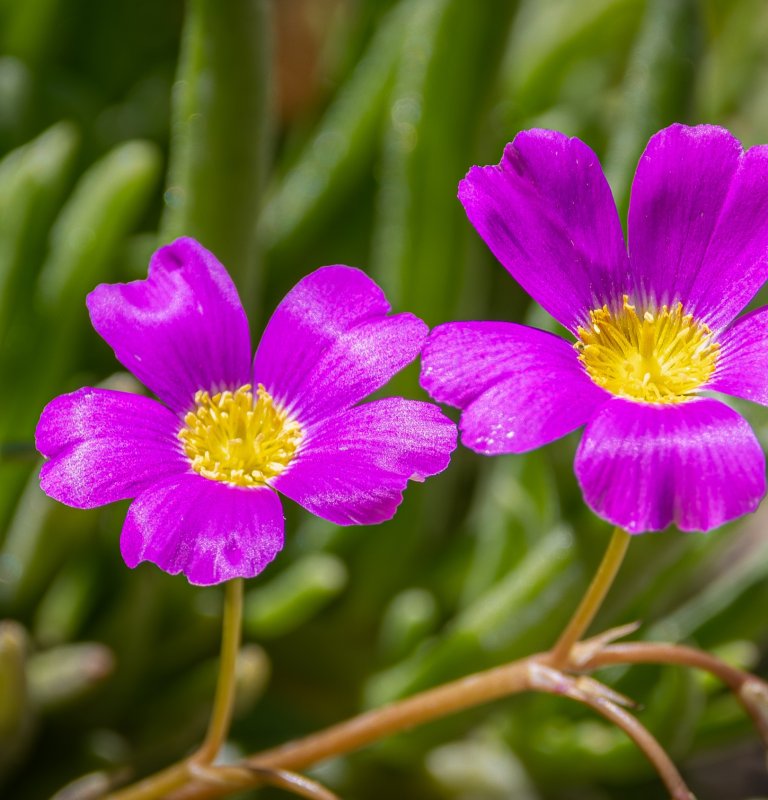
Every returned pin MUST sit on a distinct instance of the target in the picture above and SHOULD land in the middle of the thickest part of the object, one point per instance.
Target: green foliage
(102, 666)
(219, 134)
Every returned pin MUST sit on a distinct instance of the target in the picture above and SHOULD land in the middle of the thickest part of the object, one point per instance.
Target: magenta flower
(653, 327)
(205, 463)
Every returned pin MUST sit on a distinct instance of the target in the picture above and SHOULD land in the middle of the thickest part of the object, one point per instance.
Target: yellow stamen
(660, 356)
(231, 438)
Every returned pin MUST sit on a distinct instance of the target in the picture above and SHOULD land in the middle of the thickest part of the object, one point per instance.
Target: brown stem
(536, 673)
(645, 741)
(372, 726)
(665, 653)
(297, 784)
(234, 778)
(468, 692)
(751, 691)
(530, 674)
(602, 699)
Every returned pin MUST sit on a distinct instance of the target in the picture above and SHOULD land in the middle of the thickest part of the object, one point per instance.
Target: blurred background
(286, 135)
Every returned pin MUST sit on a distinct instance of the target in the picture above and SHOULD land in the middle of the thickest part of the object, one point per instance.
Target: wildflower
(204, 464)
(654, 327)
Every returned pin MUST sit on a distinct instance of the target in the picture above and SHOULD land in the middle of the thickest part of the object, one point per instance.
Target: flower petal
(210, 531)
(697, 222)
(354, 466)
(519, 387)
(330, 343)
(181, 329)
(105, 446)
(742, 364)
(696, 464)
(547, 213)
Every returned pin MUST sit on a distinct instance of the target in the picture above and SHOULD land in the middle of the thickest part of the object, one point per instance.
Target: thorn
(547, 679)
(589, 686)
(231, 776)
(583, 652)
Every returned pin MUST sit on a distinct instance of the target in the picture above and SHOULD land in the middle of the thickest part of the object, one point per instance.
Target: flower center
(235, 439)
(659, 356)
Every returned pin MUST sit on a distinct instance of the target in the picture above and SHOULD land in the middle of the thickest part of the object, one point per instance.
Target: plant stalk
(160, 784)
(593, 599)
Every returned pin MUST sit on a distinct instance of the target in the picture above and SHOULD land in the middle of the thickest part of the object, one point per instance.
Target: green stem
(223, 703)
(593, 599)
(160, 784)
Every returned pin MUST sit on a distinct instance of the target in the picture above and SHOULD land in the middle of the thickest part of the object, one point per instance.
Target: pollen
(239, 439)
(658, 355)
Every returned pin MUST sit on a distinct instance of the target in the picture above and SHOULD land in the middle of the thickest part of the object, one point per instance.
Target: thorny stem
(663, 653)
(297, 784)
(593, 599)
(603, 700)
(162, 783)
(751, 691)
(535, 673)
(645, 742)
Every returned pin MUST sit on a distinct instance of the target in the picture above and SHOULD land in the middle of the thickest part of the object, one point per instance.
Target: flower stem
(160, 784)
(593, 599)
(223, 702)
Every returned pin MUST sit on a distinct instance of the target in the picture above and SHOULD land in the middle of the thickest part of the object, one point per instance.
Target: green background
(285, 136)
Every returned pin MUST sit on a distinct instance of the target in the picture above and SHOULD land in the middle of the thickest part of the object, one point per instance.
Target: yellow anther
(660, 356)
(235, 438)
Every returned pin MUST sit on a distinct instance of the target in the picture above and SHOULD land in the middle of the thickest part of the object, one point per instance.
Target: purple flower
(653, 328)
(205, 463)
